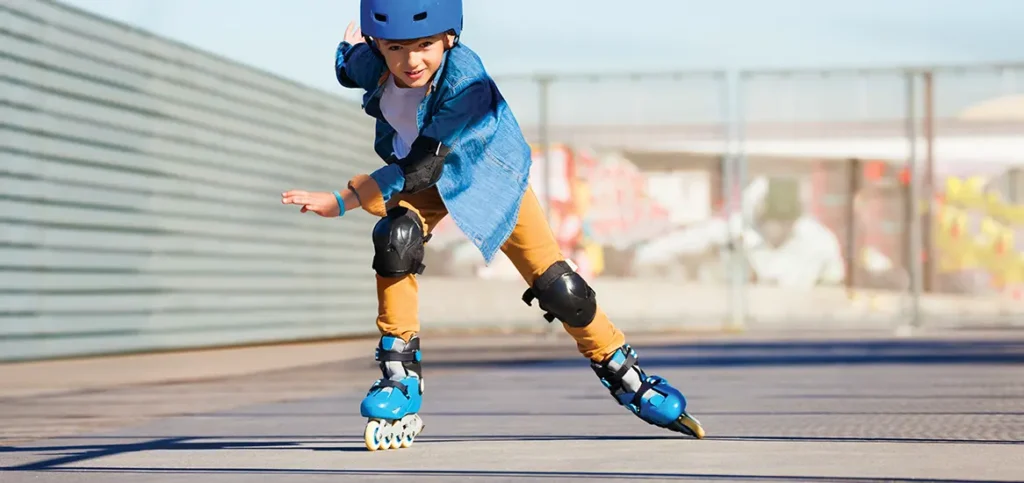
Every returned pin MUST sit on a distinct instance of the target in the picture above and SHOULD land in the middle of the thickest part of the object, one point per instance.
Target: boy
(452, 146)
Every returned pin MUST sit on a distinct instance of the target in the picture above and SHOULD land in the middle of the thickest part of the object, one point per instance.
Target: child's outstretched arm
(322, 203)
(363, 191)
(356, 64)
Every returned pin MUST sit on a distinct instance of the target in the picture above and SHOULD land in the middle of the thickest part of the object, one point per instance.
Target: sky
(297, 38)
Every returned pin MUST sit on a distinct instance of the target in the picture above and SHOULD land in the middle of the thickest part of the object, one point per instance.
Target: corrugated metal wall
(140, 202)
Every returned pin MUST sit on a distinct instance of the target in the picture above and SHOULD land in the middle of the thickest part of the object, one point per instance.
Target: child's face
(413, 63)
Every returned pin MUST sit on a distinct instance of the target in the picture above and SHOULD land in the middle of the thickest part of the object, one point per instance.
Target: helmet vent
(419, 16)
(380, 17)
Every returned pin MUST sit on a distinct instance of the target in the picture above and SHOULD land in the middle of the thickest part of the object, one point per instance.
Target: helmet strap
(372, 44)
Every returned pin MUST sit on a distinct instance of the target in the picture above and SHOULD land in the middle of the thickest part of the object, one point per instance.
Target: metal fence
(140, 201)
(793, 197)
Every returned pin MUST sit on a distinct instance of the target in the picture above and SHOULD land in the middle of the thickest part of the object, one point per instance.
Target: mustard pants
(531, 248)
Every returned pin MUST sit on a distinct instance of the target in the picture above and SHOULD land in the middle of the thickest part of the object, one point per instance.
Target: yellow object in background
(595, 254)
(965, 193)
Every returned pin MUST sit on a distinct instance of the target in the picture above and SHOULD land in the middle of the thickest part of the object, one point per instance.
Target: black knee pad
(398, 244)
(563, 294)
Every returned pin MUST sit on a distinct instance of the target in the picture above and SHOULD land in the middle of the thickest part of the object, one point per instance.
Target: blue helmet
(409, 19)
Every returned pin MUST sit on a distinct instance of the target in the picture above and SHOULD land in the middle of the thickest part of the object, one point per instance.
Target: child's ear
(449, 41)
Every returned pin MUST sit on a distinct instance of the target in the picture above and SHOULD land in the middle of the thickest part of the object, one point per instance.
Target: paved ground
(841, 408)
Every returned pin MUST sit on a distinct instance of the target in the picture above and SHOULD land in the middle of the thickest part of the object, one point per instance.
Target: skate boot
(393, 401)
(649, 397)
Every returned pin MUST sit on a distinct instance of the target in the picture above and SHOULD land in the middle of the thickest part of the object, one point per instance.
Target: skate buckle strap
(389, 356)
(543, 281)
(639, 396)
(628, 364)
(389, 383)
(613, 379)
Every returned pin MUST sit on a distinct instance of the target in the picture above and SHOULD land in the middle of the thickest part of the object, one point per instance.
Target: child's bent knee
(564, 295)
(398, 244)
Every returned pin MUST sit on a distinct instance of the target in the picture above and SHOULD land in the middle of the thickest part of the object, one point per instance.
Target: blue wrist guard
(341, 203)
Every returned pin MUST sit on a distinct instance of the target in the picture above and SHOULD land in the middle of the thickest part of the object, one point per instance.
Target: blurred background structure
(140, 180)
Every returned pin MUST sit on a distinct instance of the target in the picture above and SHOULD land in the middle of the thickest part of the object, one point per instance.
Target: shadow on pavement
(526, 475)
(71, 454)
(792, 353)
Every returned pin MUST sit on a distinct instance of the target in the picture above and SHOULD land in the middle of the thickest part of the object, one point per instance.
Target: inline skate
(649, 397)
(392, 403)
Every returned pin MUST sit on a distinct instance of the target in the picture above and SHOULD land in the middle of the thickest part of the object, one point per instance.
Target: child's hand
(323, 204)
(353, 34)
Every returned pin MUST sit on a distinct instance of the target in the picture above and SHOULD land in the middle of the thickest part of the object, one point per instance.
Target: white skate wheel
(410, 430)
(372, 436)
(408, 436)
(387, 435)
(397, 434)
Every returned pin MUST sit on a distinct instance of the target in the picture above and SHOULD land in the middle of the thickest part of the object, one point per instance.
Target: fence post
(852, 254)
(914, 240)
(733, 181)
(928, 186)
(544, 137)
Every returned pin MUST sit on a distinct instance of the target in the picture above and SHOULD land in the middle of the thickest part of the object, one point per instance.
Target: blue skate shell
(385, 402)
(661, 405)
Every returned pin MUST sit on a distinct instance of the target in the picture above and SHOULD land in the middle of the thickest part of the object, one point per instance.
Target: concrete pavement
(827, 407)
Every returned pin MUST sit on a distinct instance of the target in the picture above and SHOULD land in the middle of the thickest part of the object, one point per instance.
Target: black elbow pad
(422, 167)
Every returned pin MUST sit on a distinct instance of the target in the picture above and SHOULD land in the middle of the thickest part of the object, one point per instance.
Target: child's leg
(532, 249)
(392, 404)
(397, 297)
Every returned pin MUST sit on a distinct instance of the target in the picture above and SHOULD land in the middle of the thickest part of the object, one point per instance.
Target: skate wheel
(408, 435)
(396, 435)
(372, 435)
(387, 436)
(411, 427)
(407, 440)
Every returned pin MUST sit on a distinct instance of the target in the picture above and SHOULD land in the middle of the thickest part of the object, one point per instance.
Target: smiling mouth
(415, 74)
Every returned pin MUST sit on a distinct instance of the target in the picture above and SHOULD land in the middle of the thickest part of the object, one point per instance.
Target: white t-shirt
(399, 107)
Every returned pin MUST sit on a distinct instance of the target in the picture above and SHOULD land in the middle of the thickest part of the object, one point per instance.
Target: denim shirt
(486, 173)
